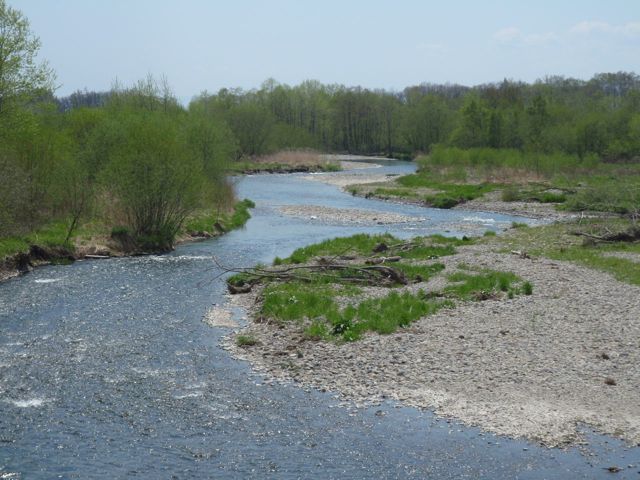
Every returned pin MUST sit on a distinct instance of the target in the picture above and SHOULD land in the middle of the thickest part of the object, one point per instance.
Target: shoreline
(487, 203)
(102, 247)
(531, 367)
(22, 263)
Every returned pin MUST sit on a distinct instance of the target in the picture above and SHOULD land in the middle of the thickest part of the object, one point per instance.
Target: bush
(154, 176)
(246, 341)
(444, 202)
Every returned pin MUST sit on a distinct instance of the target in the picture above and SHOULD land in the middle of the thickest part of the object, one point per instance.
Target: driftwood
(630, 235)
(360, 274)
(379, 260)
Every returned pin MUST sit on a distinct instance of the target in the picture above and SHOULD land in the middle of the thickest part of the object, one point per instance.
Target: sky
(207, 44)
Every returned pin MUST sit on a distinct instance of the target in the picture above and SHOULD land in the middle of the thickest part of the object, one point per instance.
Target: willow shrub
(154, 178)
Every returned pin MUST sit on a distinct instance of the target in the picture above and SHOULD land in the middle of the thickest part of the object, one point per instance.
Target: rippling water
(107, 371)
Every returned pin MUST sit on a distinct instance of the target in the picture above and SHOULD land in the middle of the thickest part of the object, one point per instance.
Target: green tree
(495, 129)
(154, 178)
(426, 123)
(472, 131)
(251, 124)
(538, 117)
(21, 76)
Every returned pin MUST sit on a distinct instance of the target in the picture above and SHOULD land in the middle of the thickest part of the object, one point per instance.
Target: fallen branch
(630, 235)
(362, 274)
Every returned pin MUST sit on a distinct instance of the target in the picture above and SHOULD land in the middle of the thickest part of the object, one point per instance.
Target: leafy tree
(154, 177)
(426, 123)
(21, 77)
(251, 124)
(471, 131)
(495, 129)
(538, 117)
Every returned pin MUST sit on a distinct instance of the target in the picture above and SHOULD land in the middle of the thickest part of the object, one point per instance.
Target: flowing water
(107, 371)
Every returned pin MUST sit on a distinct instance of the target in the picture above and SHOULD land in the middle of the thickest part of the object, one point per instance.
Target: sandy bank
(534, 366)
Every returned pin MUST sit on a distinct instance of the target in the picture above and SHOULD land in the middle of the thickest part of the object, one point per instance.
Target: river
(107, 371)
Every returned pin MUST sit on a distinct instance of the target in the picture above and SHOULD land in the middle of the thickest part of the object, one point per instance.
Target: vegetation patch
(486, 284)
(246, 341)
(319, 286)
(54, 237)
(384, 315)
(217, 222)
(287, 161)
(427, 248)
(581, 242)
(441, 194)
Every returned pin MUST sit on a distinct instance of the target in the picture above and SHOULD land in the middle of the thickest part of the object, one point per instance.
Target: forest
(135, 160)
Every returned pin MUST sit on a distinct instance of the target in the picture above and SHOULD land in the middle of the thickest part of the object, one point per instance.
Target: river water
(107, 371)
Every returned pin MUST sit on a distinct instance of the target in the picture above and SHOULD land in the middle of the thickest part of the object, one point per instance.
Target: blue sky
(201, 44)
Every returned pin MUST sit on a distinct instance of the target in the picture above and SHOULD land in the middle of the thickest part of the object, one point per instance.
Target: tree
(251, 124)
(426, 123)
(154, 178)
(538, 117)
(21, 76)
(472, 129)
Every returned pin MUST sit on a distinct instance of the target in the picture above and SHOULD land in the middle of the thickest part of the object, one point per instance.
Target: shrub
(246, 341)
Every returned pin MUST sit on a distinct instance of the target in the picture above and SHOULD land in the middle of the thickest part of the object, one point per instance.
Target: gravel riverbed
(346, 215)
(533, 366)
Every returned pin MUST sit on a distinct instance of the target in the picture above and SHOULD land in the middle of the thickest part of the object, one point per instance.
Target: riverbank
(386, 187)
(21, 255)
(534, 366)
(287, 161)
(493, 183)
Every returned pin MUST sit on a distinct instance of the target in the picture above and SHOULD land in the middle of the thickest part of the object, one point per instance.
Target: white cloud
(540, 38)
(506, 35)
(587, 27)
(514, 36)
(631, 29)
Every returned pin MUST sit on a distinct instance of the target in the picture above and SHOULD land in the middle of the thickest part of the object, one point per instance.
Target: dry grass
(295, 158)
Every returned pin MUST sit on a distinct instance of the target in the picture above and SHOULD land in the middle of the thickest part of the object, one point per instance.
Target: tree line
(600, 116)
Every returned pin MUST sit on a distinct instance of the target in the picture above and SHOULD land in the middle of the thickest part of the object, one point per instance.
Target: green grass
(484, 285)
(533, 193)
(55, 233)
(205, 221)
(52, 235)
(385, 315)
(393, 192)
(607, 193)
(584, 184)
(557, 242)
(297, 301)
(360, 244)
(316, 302)
(419, 272)
(12, 245)
(448, 195)
(246, 341)
(312, 299)
(489, 163)
(595, 257)
(363, 244)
